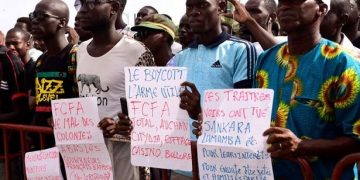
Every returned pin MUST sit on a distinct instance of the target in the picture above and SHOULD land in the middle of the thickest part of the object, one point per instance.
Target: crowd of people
(307, 51)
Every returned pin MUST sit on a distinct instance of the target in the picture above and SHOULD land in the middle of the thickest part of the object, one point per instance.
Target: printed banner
(232, 145)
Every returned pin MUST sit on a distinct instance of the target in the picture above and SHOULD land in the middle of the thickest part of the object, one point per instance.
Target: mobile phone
(124, 107)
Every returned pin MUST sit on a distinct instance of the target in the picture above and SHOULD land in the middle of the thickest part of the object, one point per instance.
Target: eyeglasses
(91, 3)
(39, 15)
(142, 34)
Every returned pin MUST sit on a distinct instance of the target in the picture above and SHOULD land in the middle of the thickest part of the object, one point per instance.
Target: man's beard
(101, 25)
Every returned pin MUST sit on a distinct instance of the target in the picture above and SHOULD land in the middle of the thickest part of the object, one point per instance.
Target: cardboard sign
(79, 140)
(161, 129)
(232, 145)
(43, 164)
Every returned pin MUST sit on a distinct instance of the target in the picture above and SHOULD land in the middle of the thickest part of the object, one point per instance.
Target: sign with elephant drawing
(161, 129)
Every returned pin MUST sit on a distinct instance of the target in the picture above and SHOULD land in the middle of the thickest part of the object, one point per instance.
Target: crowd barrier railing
(348, 161)
(23, 130)
(42, 131)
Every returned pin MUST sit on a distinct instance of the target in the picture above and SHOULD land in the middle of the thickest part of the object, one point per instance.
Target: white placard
(161, 129)
(232, 145)
(43, 164)
(79, 140)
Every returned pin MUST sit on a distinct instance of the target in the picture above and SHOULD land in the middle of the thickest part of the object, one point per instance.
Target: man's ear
(323, 10)
(116, 7)
(272, 17)
(63, 23)
(222, 6)
(343, 19)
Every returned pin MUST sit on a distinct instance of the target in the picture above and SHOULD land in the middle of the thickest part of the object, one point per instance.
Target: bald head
(55, 7)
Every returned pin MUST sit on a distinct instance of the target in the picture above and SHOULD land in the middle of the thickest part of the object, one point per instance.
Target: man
(258, 24)
(157, 32)
(55, 69)
(120, 25)
(83, 35)
(333, 24)
(25, 24)
(144, 11)
(14, 106)
(316, 101)
(351, 28)
(215, 61)
(263, 11)
(186, 35)
(101, 61)
(18, 42)
(13, 96)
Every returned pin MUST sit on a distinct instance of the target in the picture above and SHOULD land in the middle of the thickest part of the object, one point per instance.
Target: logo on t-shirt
(90, 79)
(49, 86)
(216, 64)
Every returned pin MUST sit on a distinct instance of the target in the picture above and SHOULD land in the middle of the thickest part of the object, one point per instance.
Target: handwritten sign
(43, 164)
(161, 129)
(79, 140)
(232, 145)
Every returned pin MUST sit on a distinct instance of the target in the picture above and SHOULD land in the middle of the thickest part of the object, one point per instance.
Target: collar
(345, 42)
(220, 39)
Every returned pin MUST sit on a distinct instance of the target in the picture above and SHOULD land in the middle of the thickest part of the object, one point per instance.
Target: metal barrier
(22, 130)
(347, 161)
(42, 131)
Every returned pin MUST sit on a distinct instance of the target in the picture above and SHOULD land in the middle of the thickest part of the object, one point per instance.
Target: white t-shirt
(347, 45)
(103, 77)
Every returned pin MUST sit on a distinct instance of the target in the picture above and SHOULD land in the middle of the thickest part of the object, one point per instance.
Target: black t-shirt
(30, 74)
(55, 79)
(12, 83)
(12, 86)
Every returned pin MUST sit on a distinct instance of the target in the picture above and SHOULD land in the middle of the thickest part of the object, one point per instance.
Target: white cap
(327, 2)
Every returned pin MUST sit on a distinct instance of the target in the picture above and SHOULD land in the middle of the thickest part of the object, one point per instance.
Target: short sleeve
(244, 66)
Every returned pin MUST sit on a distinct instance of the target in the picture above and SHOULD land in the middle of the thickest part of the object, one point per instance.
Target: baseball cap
(157, 22)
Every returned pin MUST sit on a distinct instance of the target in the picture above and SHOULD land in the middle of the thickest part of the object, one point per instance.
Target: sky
(10, 10)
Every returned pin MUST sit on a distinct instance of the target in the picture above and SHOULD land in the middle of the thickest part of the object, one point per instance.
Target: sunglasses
(142, 34)
(39, 15)
(91, 3)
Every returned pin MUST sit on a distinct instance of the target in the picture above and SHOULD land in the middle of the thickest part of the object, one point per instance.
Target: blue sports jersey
(227, 63)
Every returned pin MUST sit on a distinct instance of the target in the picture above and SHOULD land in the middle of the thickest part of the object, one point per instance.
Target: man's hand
(73, 36)
(283, 142)
(197, 126)
(124, 126)
(190, 101)
(108, 126)
(240, 14)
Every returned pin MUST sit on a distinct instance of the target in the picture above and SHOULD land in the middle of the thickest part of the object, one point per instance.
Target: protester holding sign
(112, 51)
(316, 101)
(214, 61)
